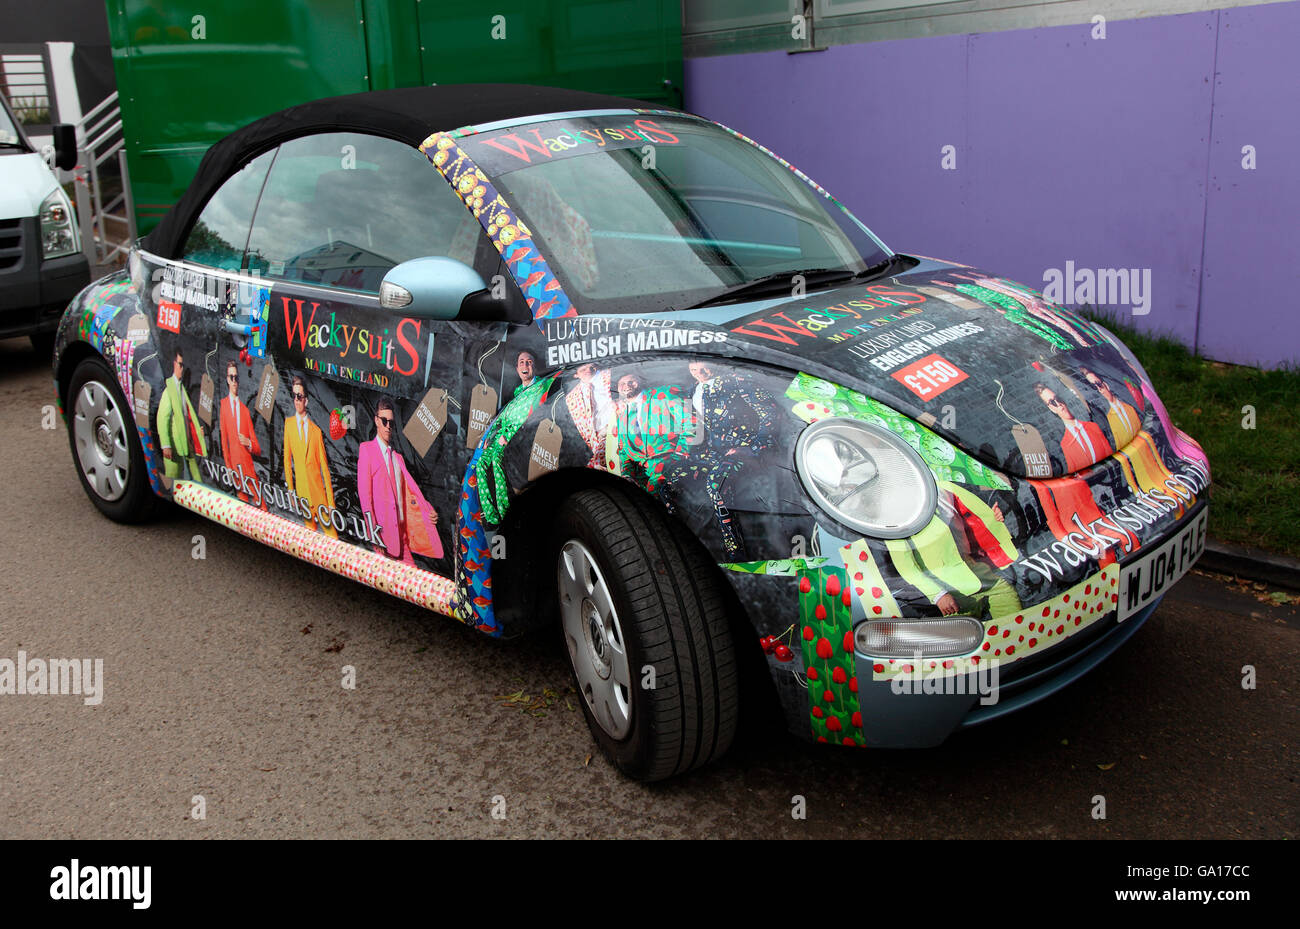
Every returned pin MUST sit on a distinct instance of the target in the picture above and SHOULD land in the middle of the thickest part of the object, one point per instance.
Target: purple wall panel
(1068, 149)
(1094, 151)
(1251, 290)
(850, 119)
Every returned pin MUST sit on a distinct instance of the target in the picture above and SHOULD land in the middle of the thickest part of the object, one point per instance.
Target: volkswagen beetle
(531, 357)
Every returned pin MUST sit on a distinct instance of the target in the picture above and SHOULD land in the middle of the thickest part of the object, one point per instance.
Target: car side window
(340, 209)
(220, 234)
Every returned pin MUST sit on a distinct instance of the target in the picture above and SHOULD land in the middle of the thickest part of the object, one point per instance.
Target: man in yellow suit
(180, 435)
(306, 469)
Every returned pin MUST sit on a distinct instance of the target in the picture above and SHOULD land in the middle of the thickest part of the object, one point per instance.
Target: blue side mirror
(430, 288)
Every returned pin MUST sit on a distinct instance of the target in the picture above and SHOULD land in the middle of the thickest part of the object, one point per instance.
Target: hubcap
(595, 639)
(100, 436)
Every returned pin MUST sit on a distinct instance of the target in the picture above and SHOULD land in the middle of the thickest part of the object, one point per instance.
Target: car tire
(627, 575)
(105, 445)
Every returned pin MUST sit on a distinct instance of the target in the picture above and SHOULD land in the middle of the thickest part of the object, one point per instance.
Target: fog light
(931, 638)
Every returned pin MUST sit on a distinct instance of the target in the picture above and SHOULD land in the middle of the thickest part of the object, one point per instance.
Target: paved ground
(223, 680)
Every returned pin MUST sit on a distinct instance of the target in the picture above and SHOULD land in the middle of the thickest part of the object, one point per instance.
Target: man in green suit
(179, 432)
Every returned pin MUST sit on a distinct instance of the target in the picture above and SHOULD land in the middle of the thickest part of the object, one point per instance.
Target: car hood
(25, 181)
(973, 356)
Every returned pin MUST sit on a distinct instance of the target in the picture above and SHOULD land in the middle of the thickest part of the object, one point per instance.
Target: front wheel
(645, 624)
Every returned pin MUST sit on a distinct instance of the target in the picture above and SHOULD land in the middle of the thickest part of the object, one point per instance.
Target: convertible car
(531, 357)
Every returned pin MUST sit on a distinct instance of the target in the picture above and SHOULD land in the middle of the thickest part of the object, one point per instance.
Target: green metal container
(191, 71)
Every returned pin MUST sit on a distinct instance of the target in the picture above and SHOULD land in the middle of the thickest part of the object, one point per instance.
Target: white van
(42, 266)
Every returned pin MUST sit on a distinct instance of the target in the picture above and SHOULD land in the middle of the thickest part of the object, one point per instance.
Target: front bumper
(34, 292)
(915, 718)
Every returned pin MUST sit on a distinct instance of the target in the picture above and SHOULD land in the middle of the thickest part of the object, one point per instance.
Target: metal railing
(99, 135)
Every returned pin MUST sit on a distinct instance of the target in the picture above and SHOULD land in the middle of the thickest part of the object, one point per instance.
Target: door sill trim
(414, 585)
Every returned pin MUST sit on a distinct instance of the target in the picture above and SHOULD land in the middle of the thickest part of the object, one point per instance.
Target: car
(41, 264)
(544, 359)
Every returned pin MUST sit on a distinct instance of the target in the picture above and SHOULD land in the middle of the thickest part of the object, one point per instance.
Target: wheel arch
(74, 354)
(523, 585)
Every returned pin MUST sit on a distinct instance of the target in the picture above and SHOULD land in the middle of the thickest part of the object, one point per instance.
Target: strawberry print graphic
(337, 429)
(827, 638)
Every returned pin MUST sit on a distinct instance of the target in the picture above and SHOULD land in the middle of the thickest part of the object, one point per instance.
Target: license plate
(1152, 573)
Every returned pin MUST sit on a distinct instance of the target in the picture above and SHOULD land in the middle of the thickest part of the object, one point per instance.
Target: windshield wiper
(781, 282)
(771, 284)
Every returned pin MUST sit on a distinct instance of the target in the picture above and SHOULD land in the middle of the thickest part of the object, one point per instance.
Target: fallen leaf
(586, 761)
(1106, 767)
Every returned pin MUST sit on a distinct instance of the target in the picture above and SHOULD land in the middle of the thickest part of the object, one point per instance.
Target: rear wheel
(645, 624)
(105, 446)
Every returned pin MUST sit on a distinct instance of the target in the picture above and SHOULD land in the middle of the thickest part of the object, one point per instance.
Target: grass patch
(1256, 472)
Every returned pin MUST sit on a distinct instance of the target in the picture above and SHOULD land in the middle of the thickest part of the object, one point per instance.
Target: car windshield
(642, 213)
(8, 132)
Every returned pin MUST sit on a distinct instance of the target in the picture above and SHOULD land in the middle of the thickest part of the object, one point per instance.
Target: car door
(363, 403)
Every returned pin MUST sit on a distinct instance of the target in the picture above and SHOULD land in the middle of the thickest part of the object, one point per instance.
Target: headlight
(58, 226)
(865, 477)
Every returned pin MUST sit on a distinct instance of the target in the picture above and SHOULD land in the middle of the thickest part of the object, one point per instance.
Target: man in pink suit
(238, 440)
(406, 521)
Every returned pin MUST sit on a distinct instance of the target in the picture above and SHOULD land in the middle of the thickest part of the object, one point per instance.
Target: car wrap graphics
(251, 445)
(385, 574)
(96, 318)
(546, 297)
(484, 499)
(1023, 384)
(965, 550)
(825, 623)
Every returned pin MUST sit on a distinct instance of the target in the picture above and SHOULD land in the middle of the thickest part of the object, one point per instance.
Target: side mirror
(431, 288)
(65, 146)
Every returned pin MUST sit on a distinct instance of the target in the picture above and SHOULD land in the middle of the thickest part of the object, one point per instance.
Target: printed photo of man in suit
(306, 468)
(180, 434)
(526, 368)
(590, 407)
(1123, 420)
(1084, 444)
(407, 523)
(238, 439)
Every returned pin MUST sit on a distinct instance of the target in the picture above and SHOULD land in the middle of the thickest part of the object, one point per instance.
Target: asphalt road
(222, 679)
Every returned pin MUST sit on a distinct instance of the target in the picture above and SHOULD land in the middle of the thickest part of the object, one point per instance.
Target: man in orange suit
(238, 440)
(1084, 444)
(306, 468)
(405, 519)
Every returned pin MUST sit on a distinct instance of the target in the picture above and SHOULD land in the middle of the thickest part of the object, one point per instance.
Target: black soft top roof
(408, 114)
